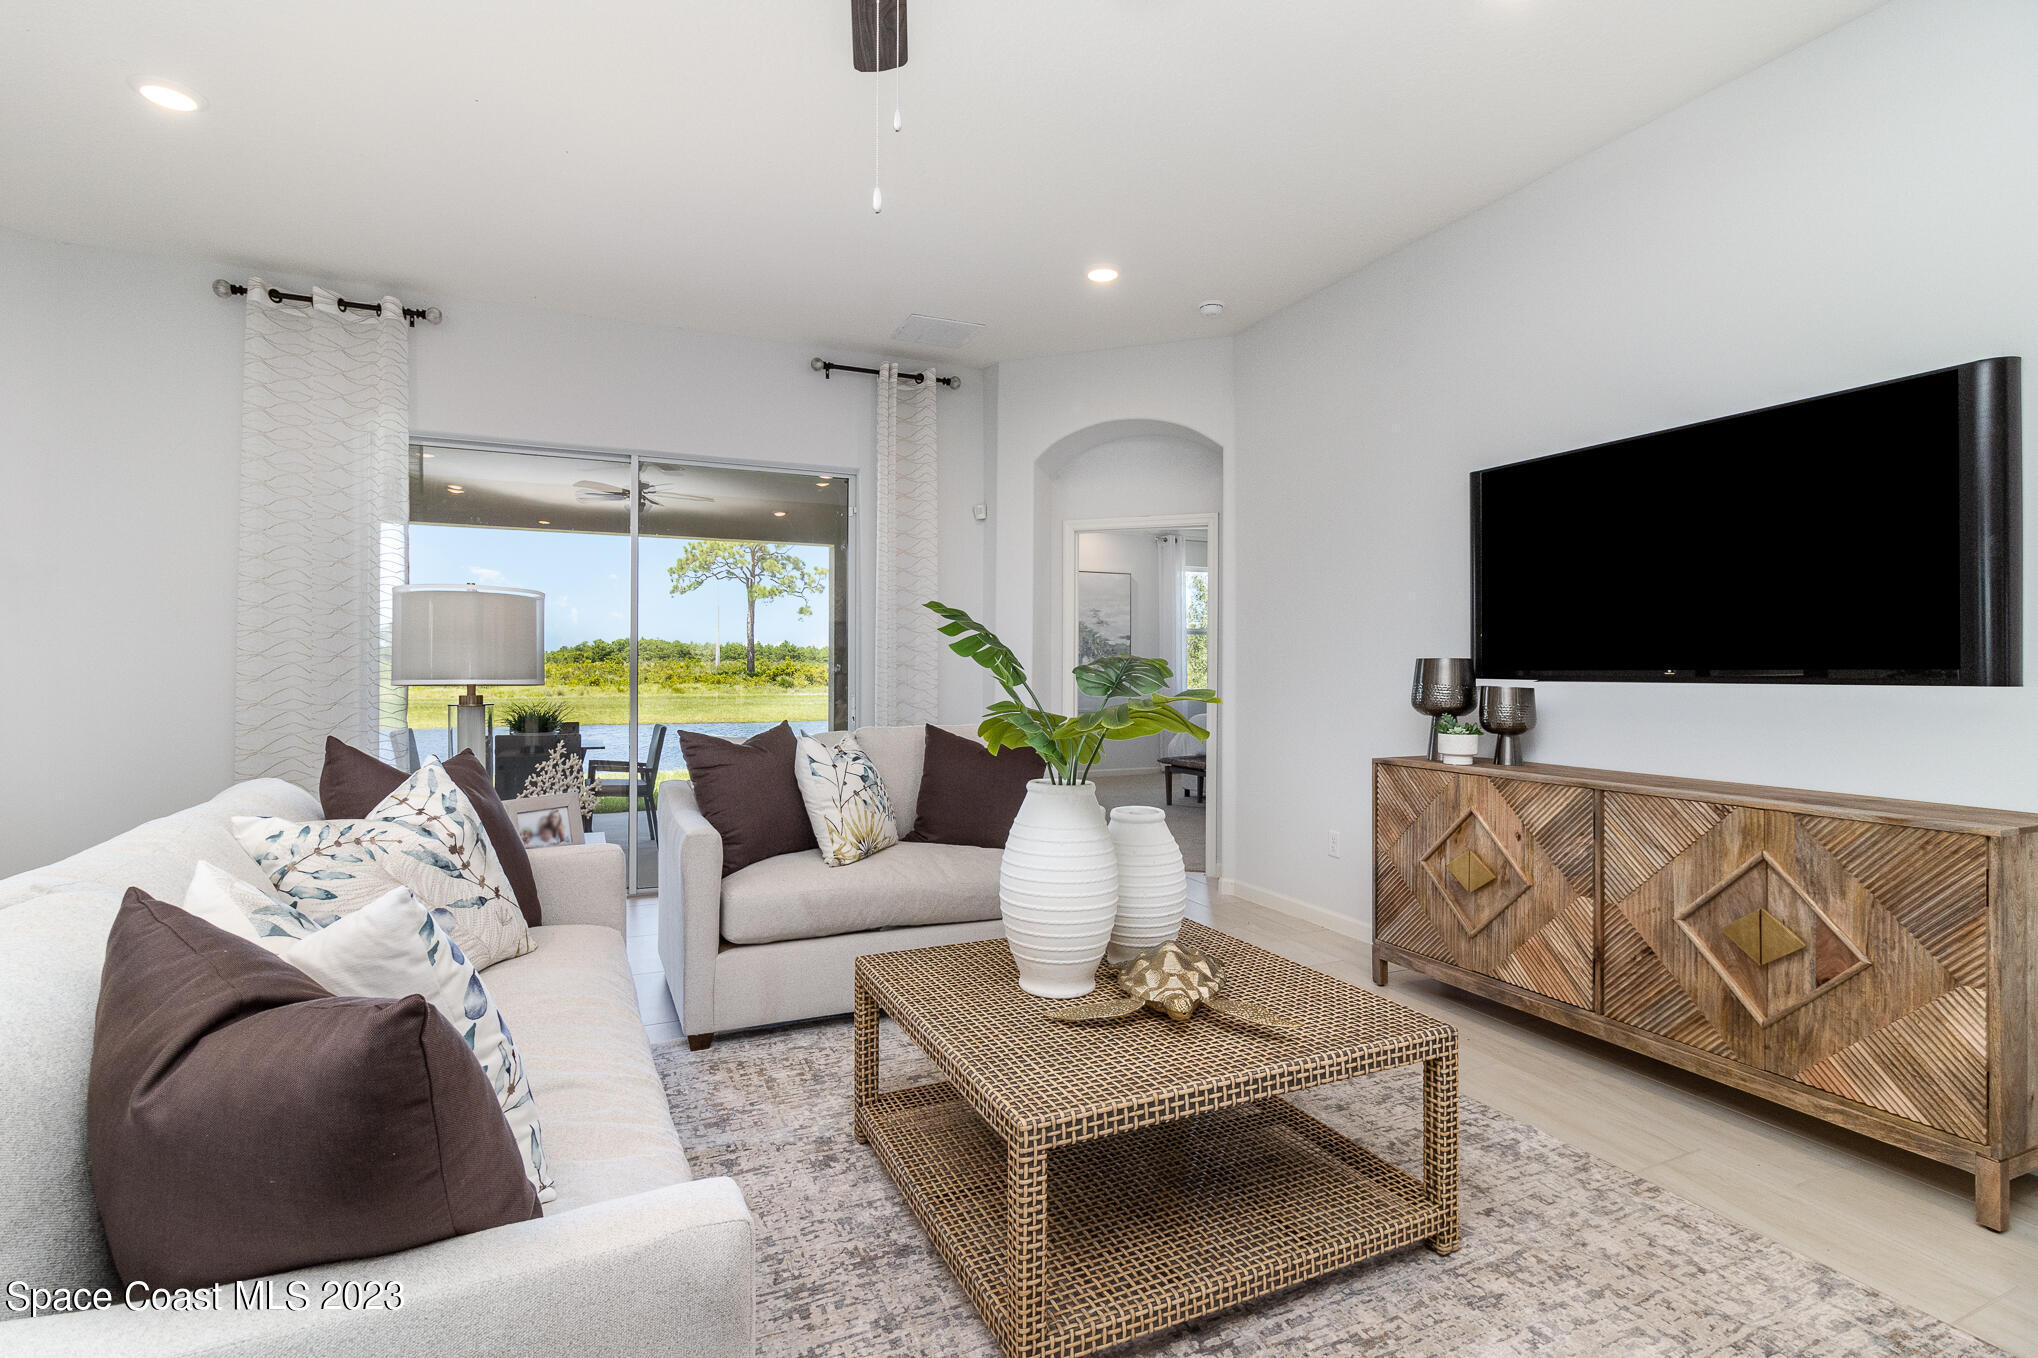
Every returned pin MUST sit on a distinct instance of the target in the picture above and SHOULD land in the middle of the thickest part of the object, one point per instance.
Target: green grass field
(428, 705)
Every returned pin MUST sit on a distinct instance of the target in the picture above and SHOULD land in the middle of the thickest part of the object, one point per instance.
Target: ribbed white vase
(1059, 889)
(1153, 890)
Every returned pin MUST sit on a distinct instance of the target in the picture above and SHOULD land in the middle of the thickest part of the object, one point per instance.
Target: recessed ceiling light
(1103, 273)
(168, 96)
(456, 490)
(1210, 309)
(778, 513)
(545, 521)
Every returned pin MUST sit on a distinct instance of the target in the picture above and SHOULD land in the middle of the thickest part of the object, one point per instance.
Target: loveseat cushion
(747, 790)
(969, 795)
(796, 895)
(573, 1006)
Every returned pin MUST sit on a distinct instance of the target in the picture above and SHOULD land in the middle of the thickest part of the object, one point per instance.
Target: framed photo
(544, 822)
(1103, 621)
(1103, 615)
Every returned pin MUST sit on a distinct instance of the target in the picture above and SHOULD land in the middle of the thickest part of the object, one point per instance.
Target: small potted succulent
(1457, 740)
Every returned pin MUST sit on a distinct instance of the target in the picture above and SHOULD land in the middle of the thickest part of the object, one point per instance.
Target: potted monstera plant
(1058, 888)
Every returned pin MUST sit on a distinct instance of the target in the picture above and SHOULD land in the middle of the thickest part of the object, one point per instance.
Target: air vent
(935, 333)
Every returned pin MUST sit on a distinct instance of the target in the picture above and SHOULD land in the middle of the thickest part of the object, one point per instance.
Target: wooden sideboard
(1870, 962)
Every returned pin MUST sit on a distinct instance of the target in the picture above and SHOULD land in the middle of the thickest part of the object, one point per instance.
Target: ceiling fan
(599, 492)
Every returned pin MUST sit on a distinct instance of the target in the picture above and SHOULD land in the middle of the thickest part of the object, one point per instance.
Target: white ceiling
(708, 164)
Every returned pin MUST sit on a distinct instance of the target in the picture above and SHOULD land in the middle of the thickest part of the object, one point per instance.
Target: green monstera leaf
(1148, 715)
(1120, 676)
(1130, 685)
(980, 644)
(1010, 724)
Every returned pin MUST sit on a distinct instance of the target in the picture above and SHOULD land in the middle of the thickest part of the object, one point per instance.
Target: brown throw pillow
(969, 795)
(747, 790)
(242, 1121)
(353, 783)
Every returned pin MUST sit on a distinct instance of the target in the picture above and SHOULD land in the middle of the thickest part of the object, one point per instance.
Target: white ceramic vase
(1059, 889)
(1153, 889)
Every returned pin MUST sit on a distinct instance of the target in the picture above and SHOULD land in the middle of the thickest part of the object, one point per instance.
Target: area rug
(1563, 1253)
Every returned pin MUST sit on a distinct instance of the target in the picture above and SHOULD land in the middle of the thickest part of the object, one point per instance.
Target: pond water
(615, 740)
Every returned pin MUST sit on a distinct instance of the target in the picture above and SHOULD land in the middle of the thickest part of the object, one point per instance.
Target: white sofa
(777, 941)
(634, 1257)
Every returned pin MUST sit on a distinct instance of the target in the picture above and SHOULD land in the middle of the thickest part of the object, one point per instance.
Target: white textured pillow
(846, 801)
(391, 946)
(424, 836)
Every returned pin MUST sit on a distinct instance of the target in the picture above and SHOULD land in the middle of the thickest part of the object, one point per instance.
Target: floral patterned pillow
(391, 946)
(424, 836)
(846, 801)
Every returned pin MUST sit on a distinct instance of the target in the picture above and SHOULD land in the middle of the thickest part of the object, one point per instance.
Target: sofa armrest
(668, 1272)
(689, 905)
(581, 884)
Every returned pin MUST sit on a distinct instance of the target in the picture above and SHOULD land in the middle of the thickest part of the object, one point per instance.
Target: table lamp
(468, 634)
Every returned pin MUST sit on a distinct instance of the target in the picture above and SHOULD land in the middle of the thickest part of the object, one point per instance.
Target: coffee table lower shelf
(1153, 1226)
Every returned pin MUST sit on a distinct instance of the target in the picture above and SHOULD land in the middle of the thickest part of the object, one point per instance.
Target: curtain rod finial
(222, 288)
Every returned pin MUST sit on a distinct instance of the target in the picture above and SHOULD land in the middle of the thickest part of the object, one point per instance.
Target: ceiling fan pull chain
(877, 102)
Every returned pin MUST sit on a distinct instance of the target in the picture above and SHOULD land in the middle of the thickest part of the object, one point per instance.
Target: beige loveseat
(634, 1257)
(777, 941)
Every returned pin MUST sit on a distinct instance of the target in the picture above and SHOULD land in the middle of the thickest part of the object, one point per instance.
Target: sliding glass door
(709, 597)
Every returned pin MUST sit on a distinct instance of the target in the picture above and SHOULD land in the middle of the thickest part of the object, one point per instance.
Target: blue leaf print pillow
(424, 836)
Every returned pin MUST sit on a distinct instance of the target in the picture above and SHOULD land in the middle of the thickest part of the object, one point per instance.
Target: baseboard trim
(1273, 900)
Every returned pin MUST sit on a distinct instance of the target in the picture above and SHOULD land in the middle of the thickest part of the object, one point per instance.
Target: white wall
(1861, 209)
(1123, 478)
(120, 380)
(120, 447)
(1042, 401)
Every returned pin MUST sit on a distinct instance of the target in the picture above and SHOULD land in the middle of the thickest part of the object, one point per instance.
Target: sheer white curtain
(1171, 614)
(1172, 618)
(325, 432)
(908, 551)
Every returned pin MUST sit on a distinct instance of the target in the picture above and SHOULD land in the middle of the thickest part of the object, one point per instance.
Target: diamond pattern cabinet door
(1815, 949)
(1495, 876)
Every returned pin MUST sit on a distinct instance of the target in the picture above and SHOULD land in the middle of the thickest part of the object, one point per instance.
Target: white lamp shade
(467, 634)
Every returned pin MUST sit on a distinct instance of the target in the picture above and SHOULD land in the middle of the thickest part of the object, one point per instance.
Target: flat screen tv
(1867, 537)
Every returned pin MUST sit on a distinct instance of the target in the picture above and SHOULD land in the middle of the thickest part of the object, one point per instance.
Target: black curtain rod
(222, 288)
(828, 370)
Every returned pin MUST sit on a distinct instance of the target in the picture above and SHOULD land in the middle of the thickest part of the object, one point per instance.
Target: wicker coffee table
(1088, 1183)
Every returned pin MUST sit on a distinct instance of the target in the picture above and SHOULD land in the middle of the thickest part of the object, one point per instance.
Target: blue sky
(586, 579)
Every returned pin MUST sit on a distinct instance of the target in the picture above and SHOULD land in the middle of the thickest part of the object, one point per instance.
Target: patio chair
(612, 779)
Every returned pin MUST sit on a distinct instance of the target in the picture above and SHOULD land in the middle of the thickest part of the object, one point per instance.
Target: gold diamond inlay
(1471, 871)
(1763, 937)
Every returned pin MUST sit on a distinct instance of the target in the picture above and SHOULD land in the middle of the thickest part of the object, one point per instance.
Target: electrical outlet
(1335, 850)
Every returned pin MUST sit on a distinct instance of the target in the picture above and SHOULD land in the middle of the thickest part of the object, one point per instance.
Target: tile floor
(1898, 1223)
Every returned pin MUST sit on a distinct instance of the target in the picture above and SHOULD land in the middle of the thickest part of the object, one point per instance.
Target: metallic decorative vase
(1507, 710)
(1441, 687)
